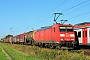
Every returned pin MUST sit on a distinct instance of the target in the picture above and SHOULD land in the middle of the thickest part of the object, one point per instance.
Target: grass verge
(16, 55)
(2, 55)
(47, 54)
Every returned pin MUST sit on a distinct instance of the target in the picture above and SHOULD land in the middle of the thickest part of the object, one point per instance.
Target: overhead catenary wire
(75, 6)
(48, 13)
(39, 22)
(72, 6)
(62, 11)
(79, 15)
(52, 9)
(78, 8)
(45, 19)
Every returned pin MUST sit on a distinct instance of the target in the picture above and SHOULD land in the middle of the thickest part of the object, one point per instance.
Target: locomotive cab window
(69, 29)
(54, 29)
(62, 29)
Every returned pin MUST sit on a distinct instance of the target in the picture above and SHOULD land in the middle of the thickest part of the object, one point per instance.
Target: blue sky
(24, 15)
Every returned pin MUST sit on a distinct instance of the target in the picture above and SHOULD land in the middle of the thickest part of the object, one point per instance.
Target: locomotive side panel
(41, 38)
(55, 34)
(44, 36)
(37, 36)
(48, 35)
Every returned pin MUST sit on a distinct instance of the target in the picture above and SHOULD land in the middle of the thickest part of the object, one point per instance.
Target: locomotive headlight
(71, 35)
(72, 39)
(62, 34)
(61, 39)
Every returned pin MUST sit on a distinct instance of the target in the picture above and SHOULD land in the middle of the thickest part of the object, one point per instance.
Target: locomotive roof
(43, 28)
(46, 27)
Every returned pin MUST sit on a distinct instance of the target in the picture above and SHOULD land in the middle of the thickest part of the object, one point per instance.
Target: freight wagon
(29, 37)
(6, 40)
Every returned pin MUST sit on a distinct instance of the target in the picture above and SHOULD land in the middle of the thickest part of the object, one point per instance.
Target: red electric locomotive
(57, 35)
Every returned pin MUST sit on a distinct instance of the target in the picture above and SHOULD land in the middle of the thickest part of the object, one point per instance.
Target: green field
(16, 55)
(2, 55)
(23, 52)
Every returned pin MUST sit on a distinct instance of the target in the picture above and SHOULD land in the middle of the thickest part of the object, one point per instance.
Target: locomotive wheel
(52, 46)
(41, 45)
(58, 46)
(46, 45)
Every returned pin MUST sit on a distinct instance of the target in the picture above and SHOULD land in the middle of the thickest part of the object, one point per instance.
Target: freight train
(55, 36)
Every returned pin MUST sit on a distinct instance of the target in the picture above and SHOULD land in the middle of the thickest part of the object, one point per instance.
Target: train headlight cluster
(62, 34)
(71, 35)
(61, 39)
(72, 39)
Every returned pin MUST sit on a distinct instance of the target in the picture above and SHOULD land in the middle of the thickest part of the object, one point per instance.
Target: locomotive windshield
(62, 29)
(66, 29)
(69, 29)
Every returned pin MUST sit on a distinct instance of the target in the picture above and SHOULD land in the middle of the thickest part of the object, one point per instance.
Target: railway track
(86, 51)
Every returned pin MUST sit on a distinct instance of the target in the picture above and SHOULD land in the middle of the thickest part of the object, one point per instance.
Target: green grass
(18, 56)
(2, 55)
(35, 53)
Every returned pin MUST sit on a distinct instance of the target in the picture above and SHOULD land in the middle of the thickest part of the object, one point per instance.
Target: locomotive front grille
(68, 44)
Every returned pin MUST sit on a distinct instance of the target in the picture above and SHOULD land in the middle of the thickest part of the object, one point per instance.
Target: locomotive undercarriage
(66, 45)
(61, 45)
